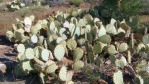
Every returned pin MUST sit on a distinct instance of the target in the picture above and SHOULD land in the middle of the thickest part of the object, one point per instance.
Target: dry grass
(8, 18)
(144, 18)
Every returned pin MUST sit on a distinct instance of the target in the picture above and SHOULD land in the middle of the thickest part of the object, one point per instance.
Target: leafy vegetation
(117, 9)
(76, 2)
(15, 5)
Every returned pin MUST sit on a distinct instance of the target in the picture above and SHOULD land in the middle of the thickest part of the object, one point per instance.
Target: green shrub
(109, 9)
(15, 5)
(76, 2)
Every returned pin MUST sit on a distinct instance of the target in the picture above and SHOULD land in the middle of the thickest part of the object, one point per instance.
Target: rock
(3, 68)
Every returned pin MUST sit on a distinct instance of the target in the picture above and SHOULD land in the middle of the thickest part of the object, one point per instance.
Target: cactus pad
(105, 39)
(145, 39)
(78, 53)
(9, 35)
(51, 68)
(78, 65)
(59, 52)
(141, 47)
(118, 77)
(121, 62)
(123, 47)
(29, 53)
(21, 48)
(45, 55)
(71, 44)
(112, 50)
(63, 73)
(97, 48)
(26, 66)
(34, 39)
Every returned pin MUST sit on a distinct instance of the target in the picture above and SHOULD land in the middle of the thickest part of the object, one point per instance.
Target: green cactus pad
(32, 17)
(121, 62)
(122, 47)
(34, 39)
(141, 66)
(63, 43)
(29, 53)
(75, 31)
(105, 39)
(27, 21)
(9, 35)
(118, 77)
(52, 26)
(78, 53)
(45, 54)
(78, 65)
(52, 38)
(89, 37)
(40, 41)
(81, 42)
(88, 18)
(51, 68)
(25, 39)
(21, 48)
(71, 44)
(59, 52)
(112, 50)
(79, 11)
(59, 39)
(97, 48)
(141, 47)
(63, 73)
(74, 13)
(101, 31)
(34, 30)
(110, 28)
(81, 23)
(63, 30)
(19, 34)
(26, 66)
(145, 39)
(21, 56)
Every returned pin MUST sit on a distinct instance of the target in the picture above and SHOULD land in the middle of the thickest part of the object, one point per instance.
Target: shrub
(111, 9)
(77, 2)
(15, 5)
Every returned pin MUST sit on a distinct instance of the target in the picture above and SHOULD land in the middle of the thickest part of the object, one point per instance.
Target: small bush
(15, 5)
(76, 2)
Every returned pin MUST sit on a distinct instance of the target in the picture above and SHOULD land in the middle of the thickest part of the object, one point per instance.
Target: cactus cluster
(59, 45)
(15, 5)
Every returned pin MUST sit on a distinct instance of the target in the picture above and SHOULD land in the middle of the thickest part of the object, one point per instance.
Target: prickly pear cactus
(59, 46)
